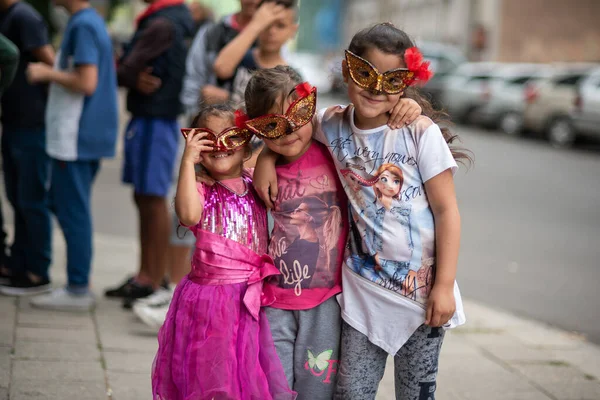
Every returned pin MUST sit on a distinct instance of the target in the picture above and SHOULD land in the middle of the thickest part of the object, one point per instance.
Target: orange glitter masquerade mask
(391, 82)
(230, 139)
(298, 114)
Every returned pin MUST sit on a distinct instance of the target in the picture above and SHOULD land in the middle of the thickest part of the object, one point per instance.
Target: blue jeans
(70, 193)
(26, 172)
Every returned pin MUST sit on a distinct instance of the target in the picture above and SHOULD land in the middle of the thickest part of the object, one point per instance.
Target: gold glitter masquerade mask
(391, 82)
(230, 139)
(298, 114)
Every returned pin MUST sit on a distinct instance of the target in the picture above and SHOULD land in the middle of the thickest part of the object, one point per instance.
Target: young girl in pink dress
(216, 342)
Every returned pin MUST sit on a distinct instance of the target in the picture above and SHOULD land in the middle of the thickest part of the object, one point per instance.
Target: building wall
(515, 30)
(549, 30)
(425, 20)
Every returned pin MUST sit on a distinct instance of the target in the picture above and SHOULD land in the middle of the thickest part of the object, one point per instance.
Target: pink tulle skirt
(210, 347)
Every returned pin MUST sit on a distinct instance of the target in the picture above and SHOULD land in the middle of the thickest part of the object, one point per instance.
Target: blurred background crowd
(521, 67)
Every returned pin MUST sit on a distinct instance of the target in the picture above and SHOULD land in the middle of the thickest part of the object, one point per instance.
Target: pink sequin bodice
(239, 218)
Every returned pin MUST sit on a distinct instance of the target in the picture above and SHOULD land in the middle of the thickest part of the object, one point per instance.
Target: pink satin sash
(221, 261)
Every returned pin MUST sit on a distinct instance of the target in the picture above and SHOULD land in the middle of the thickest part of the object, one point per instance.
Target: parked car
(586, 114)
(444, 59)
(551, 101)
(466, 88)
(505, 103)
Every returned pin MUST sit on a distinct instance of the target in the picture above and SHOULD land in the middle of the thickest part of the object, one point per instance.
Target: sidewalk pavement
(107, 354)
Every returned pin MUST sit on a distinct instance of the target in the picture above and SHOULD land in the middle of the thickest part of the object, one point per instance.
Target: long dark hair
(391, 40)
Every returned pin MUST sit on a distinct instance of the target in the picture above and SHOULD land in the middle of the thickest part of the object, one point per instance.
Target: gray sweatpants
(362, 365)
(307, 343)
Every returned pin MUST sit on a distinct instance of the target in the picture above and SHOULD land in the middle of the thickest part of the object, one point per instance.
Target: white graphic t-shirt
(390, 265)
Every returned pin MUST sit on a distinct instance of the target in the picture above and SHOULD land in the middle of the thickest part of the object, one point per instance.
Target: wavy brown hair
(390, 40)
(269, 87)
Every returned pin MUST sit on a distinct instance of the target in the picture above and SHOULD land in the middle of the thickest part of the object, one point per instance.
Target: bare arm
(187, 199)
(442, 199)
(84, 79)
(188, 202)
(44, 54)
(230, 57)
(265, 176)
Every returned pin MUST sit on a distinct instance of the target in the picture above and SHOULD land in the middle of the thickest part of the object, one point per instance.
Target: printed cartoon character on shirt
(356, 177)
(304, 255)
(394, 249)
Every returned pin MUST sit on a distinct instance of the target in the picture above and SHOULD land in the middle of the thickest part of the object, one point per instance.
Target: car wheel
(561, 133)
(511, 123)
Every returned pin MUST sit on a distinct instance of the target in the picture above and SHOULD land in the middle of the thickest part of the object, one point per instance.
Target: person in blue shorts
(152, 68)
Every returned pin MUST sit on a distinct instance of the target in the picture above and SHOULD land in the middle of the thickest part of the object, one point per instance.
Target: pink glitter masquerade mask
(230, 139)
(298, 114)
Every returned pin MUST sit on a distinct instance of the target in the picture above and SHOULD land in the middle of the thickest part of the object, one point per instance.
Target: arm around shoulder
(265, 176)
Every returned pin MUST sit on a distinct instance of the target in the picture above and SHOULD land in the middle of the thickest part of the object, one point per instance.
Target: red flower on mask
(304, 89)
(414, 62)
(240, 119)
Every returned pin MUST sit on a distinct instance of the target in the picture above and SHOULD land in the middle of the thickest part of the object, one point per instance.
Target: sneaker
(136, 291)
(24, 286)
(63, 300)
(154, 317)
(159, 298)
(120, 291)
(123, 290)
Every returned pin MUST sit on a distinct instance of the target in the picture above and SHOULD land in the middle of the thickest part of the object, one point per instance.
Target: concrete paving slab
(7, 334)
(49, 319)
(125, 386)
(48, 390)
(56, 335)
(580, 391)
(48, 351)
(5, 365)
(137, 363)
(60, 371)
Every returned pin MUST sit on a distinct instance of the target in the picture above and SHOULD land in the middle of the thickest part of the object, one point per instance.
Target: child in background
(216, 342)
(273, 25)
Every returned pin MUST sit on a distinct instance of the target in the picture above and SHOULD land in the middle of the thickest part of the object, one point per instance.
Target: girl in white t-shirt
(399, 289)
